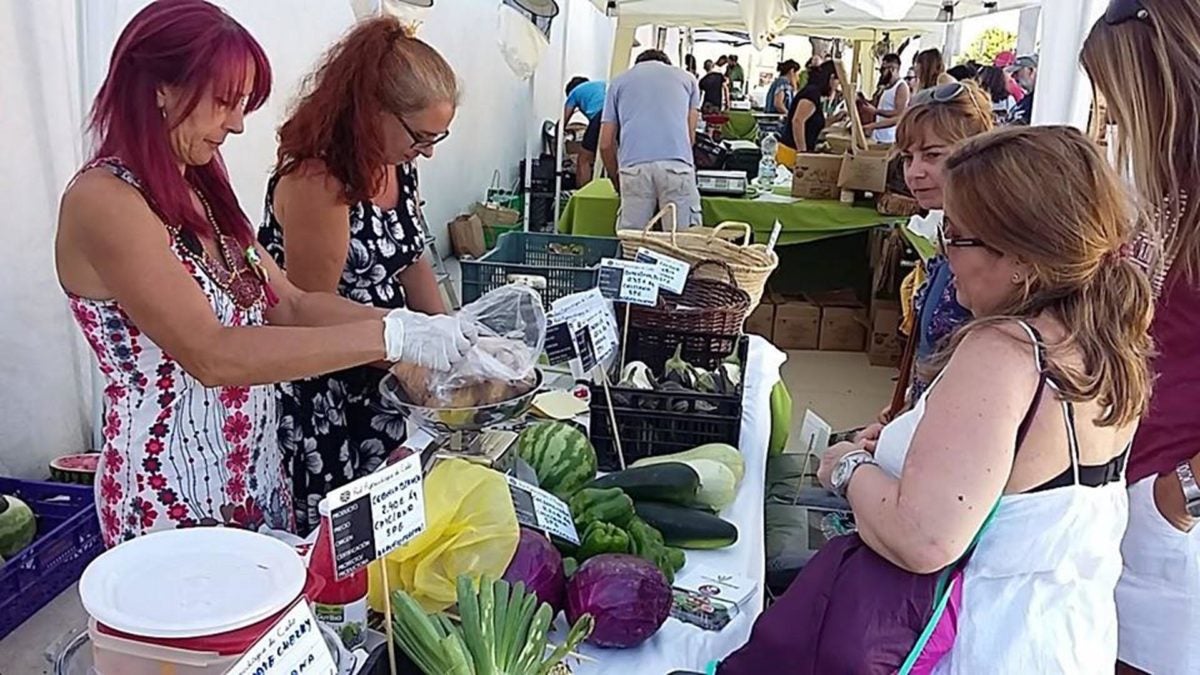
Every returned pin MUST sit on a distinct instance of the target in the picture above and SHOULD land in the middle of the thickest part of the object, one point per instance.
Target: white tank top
(887, 103)
(1038, 590)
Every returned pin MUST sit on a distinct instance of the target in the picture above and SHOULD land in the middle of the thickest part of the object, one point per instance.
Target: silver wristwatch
(1191, 491)
(845, 468)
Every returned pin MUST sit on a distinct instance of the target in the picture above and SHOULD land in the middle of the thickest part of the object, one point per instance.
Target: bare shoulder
(99, 202)
(311, 184)
(996, 353)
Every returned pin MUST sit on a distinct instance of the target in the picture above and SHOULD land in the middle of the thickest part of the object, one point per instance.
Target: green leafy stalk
(529, 604)
(500, 598)
(535, 643)
(487, 611)
(579, 632)
(417, 635)
(468, 612)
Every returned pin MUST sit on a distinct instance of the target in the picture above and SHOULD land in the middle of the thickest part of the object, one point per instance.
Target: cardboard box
(866, 171)
(466, 237)
(816, 176)
(762, 320)
(797, 324)
(843, 329)
(886, 345)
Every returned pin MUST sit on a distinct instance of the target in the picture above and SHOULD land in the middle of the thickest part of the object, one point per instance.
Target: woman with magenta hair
(343, 215)
(189, 319)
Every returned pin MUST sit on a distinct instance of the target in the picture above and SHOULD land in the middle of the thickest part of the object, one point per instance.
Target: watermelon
(560, 454)
(17, 526)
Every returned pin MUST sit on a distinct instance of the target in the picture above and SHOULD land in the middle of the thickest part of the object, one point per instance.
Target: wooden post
(858, 137)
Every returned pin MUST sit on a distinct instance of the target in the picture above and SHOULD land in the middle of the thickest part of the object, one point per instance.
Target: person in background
(736, 75)
(586, 96)
(964, 71)
(1024, 72)
(994, 82)
(1021, 440)
(890, 103)
(931, 69)
(1004, 61)
(689, 64)
(937, 121)
(1141, 56)
(715, 88)
(806, 118)
(189, 319)
(649, 127)
(343, 215)
(781, 91)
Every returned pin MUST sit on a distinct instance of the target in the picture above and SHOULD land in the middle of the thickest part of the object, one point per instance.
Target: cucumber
(671, 482)
(687, 528)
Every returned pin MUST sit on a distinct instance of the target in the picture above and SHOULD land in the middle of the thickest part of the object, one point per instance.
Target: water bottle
(766, 165)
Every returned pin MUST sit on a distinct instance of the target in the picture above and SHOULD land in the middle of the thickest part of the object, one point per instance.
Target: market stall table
(681, 646)
(593, 211)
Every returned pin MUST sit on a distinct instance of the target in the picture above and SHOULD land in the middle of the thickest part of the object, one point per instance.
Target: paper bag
(466, 237)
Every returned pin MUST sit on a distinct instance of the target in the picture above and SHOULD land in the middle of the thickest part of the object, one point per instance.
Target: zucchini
(687, 528)
(672, 482)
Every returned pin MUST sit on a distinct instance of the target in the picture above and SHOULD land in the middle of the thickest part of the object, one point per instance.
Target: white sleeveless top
(887, 103)
(1038, 590)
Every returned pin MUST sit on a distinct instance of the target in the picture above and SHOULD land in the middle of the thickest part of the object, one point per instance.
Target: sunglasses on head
(1120, 11)
(943, 93)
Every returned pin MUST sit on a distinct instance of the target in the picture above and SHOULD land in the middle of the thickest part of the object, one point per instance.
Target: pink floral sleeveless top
(177, 453)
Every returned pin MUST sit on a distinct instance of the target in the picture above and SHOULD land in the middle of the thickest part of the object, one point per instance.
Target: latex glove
(436, 342)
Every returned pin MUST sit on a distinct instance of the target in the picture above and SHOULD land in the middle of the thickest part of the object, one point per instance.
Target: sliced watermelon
(88, 461)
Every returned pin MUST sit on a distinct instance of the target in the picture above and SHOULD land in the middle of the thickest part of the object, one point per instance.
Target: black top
(713, 86)
(812, 127)
(1023, 113)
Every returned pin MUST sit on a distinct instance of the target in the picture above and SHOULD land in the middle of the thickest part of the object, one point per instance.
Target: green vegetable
(569, 567)
(679, 371)
(18, 525)
(502, 631)
(781, 418)
(687, 528)
(647, 543)
(671, 481)
(705, 381)
(601, 538)
(720, 452)
(637, 375)
(728, 378)
(610, 505)
(718, 485)
(675, 557)
(560, 454)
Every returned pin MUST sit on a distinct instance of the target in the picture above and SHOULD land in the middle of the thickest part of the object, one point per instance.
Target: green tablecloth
(593, 211)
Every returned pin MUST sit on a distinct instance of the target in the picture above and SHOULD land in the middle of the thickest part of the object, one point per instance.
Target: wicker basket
(705, 306)
(750, 264)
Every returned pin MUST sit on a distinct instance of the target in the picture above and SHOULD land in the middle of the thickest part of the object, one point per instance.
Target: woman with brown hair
(1142, 57)
(343, 215)
(1018, 446)
(931, 69)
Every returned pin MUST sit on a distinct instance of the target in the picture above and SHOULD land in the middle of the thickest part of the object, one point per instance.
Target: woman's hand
(436, 342)
(869, 436)
(1168, 498)
(832, 456)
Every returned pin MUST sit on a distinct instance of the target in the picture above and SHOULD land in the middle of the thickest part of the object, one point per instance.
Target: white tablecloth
(681, 646)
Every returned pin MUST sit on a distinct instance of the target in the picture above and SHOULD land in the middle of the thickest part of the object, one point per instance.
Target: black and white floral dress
(332, 428)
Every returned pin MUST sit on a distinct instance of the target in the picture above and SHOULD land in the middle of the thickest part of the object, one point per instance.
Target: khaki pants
(647, 188)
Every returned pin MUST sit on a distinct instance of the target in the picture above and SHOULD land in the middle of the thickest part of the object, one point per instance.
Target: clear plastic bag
(500, 365)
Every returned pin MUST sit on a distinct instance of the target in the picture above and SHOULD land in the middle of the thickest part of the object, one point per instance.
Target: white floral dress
(177, 453)
(333, 428)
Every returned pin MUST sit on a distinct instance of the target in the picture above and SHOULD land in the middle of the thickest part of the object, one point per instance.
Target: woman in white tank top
(1058, 358)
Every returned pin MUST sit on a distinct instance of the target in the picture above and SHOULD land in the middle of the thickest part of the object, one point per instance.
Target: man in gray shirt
(646, 137)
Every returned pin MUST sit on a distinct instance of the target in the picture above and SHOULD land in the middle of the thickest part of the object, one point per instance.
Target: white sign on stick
(540, 510)
(628, 281)
(590, 309)
(672, 272)
(376, 514)
(293, 645)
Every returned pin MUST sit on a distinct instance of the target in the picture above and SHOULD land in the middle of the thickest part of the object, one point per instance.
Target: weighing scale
(723, 183)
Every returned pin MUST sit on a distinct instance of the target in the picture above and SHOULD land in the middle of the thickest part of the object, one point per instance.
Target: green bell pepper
(596, 505)
(602, 538)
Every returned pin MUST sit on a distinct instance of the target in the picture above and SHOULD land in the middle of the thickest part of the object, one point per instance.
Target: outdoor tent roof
(810, 18)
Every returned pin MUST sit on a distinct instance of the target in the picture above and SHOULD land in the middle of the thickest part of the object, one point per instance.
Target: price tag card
(590, 309)
(672, 272)
(293, 645)
(376, 514)
(585, 349)
(775, 232)
(636, 283)
(560, 344)
(542, 511)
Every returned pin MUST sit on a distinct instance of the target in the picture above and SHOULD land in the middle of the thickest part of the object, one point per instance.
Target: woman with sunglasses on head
(1019, 443)
(343, 215)
(1142, 58)
(187, 317)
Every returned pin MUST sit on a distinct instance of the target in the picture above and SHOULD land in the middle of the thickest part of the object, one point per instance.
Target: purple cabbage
(628, 597)
(539, 565)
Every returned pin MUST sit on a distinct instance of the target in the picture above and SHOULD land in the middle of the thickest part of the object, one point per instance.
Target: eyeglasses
(421, 141)
(1120, 11)
(945, 93)
(947, 243)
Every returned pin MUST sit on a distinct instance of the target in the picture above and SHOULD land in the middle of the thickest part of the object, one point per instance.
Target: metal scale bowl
(466, 432)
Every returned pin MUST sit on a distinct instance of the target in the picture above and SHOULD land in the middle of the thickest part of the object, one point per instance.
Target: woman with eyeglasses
(191, 321)
(343, 215)
(1142, 57)
(1019, 444)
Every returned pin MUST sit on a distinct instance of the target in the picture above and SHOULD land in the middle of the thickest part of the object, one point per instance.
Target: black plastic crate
(568, 263)
(653, 423)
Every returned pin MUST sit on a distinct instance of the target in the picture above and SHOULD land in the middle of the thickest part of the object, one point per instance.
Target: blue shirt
(588, 97)
(938, 315)
(650, 105)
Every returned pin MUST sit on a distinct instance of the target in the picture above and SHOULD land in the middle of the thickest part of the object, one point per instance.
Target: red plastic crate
(68, 538)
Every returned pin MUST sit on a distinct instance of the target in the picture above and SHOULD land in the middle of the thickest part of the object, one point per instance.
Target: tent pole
(529, 155)
(1064, 93)
(561, 140)
(622, 48)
